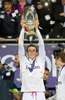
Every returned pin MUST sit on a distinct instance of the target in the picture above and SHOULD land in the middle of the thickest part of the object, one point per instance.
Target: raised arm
(41, 42)
(21, 50)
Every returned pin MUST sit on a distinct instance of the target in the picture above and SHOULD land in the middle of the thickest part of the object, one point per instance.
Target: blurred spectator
(17, 72)
(63, 29)
(20, 6)
(14, 2)
(1, 6)
(45, 78)
(63, 2)
(17, 64)
(6, 82)
(16, 61)
(59, 18)
(0, 11)
(8, 89)
(15, 91)
(44, 11)
(8, 21)
(29, 1)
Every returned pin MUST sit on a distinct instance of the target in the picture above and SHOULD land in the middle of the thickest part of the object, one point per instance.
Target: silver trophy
(30, 15)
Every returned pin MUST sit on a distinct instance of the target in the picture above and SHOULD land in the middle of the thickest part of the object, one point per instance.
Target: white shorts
(34, 96)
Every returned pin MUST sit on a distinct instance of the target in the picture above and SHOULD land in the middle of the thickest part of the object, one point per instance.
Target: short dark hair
(31, 45)
(61, 55)
(10, 1)
(46, 69)
(56, 52)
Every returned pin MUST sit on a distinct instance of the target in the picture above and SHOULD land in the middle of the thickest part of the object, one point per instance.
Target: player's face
(58, 62)
(46, 74)
(16, 61)
(32, 53)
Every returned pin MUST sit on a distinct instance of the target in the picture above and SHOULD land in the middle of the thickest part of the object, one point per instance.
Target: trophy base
(30, 36)
(26, 41)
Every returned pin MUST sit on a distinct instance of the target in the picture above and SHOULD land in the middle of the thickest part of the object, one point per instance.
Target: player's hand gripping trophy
(30, 16)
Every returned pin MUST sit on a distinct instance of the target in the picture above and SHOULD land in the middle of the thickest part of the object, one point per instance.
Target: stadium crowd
(50, 14)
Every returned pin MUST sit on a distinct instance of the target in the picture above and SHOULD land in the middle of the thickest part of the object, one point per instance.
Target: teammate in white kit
(60, 89)
(32, 64)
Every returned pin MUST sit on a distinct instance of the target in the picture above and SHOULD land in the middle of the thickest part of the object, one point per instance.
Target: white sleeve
(21, 50)
(41, 45)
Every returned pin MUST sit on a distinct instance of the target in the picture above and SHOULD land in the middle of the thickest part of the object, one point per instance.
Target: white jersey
(32, 81)
(61, 85)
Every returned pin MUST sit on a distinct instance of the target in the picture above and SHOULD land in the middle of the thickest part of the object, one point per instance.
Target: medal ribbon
(32, 66)
(59, 75)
